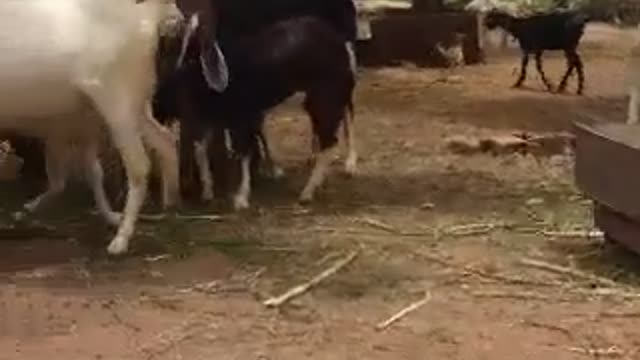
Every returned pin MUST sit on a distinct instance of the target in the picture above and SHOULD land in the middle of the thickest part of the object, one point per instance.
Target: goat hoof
(240, 203)
(350, 167)
(19, 216)
(277, 173)
(274, 173)
(113, 218)
(118, 246)
(305, 199)
(207, 196)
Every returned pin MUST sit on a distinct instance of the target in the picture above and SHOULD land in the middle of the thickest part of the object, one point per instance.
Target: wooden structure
(411, 35)
(613, 185)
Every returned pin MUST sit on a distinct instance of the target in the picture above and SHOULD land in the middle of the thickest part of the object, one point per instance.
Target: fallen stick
(540, 325)
(303, 288)
(379, 225)
(610, 352)
(619, 315)
(160, 217)
(513, 295)
(496, 277)
(404, 312)
(567, 271)
(589, 234)
(472, 229)
(604, 292)
(157, 258)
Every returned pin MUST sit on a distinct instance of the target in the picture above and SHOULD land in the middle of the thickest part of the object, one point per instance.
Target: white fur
(241, 199)
(64, 60)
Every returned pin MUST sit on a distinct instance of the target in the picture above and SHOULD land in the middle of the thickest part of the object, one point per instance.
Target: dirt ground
(457, 227)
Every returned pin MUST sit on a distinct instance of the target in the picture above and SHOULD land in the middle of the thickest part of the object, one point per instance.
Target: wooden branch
(404, 312)
(379, 225)
(303, 288)
(593, 234)
(513, 295)
(568, 271)
(597, 353)
(162, 217)
(496, 277)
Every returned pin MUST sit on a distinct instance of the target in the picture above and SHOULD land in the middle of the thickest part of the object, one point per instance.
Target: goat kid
(560, 30)
(64, 61)
(296, 55)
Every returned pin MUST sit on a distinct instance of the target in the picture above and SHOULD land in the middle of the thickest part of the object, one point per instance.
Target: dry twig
(404, 312)
(513, 295)
(568, 271)
(161, 217)
(619, 315)
(303, 288)
(590, 234)
(604, 292)
(540, 325)
(496, 277)
(613, 351)
(472, 229)
(390, 229)
(379, 225)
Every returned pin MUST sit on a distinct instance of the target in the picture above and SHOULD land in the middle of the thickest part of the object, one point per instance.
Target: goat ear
(215, 69)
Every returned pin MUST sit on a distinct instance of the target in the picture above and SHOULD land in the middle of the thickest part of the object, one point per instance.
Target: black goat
(220, 21)
(302, 54)
(561, 30)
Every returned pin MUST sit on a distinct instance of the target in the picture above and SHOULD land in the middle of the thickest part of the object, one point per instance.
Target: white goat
(66, 60)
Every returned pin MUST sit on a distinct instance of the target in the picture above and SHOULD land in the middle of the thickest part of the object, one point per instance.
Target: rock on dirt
(462, 144)
(547, 144)
(503, 144)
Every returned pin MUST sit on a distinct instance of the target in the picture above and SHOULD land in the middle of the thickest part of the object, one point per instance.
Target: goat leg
(241, 198)
(56, 154)
(273, 170)
(570, 66)
(318, 174)
(95, 179)
(546, 81)
(200, 150)
(523, 70)
(580, 68)
(350, 164)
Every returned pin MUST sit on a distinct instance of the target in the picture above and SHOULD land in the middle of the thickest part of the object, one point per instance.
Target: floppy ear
(214, 67)
(212, 60)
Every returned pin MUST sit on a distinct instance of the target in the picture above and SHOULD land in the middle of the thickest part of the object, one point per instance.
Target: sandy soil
(61, 298)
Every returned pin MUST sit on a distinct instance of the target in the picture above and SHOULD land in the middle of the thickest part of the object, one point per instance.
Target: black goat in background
(560, 30)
